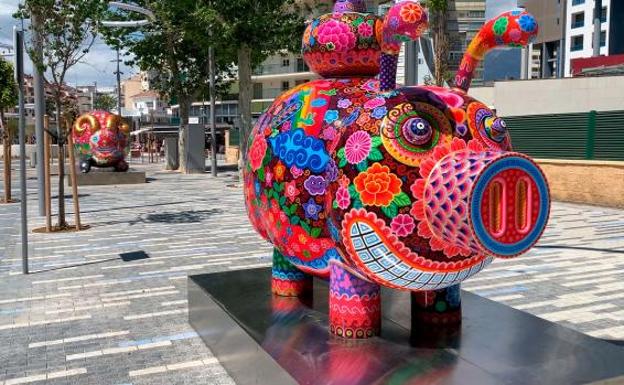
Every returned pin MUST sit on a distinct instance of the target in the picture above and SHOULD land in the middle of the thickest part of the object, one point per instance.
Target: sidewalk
(86, 316)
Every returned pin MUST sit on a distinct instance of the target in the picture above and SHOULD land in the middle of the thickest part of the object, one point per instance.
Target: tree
(170, 48)
(67, 30)
(105, 102)
(8, 98)
(254, 30)
(438, 15)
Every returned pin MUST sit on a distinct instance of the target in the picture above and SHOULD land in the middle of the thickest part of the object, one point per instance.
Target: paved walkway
(86, 316)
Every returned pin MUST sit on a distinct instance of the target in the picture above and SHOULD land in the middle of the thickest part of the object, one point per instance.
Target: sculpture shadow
(191, 216)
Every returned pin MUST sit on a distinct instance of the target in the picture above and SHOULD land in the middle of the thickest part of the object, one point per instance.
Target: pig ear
(86, 122)
(406, 20)
(113, 122)
(515, 28)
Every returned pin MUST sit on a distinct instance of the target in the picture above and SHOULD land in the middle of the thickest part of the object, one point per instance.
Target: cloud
(96, 66)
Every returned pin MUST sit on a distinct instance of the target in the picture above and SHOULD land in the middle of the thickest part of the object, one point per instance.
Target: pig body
(412, 188)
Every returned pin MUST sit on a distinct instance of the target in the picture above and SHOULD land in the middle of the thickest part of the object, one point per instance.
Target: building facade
(579, 42)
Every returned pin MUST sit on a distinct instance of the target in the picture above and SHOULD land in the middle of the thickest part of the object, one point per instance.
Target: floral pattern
(337, 155)
(358, 147)
(403, 225)
(377, 186)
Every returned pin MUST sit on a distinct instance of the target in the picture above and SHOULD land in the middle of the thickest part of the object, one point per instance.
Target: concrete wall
(558, 96)
(591, 182)
(484, 94)
(30, 148)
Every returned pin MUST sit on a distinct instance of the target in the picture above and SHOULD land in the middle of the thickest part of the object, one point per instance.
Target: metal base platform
(263, 339)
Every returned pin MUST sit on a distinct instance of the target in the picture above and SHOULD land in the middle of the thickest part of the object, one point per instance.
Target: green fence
(591, 136)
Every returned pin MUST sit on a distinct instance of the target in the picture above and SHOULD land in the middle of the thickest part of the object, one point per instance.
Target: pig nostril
(523, 206)
(497, 207)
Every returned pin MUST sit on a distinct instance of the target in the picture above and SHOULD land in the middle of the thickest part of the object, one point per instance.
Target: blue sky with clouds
(96, 65)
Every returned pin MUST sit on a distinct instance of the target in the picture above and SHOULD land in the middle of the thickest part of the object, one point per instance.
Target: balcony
(267, 93)
(278, 69)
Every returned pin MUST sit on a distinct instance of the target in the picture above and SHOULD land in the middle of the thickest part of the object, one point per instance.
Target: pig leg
(354, 305)
(287, 280)
(437, 307)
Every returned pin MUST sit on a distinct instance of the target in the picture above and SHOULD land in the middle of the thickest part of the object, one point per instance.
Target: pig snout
(485, 202)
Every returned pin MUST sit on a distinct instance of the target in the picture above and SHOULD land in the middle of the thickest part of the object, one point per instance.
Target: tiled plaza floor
(87, 317)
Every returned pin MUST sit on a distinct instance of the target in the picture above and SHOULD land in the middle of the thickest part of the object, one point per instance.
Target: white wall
(554, 96)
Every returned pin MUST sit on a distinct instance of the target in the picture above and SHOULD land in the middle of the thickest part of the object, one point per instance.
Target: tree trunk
(185, 106)
(61, 164)
(6, 142)
(441, 46)
(244, 99)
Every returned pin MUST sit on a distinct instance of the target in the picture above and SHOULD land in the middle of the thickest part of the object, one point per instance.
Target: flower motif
(257, 187)
(268, 178)
(329, 133)
(379, 112)
(280, 171)
(411, 13)
(331, 172)
(331, 116)
(403, 225)
(374, 103)
(377, 185)
(315, 184)
(257, 152)
(500, 26)
(336, 34)
(344, 103)
(527, 23)
(343, 198)
(311, 209)
(365, 30)
(296, 172)
(358, 147)
(291, 191)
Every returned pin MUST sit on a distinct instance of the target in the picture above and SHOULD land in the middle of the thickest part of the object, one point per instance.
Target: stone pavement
(86, 316)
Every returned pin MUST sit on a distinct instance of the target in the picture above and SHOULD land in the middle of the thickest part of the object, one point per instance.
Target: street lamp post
(18, 36)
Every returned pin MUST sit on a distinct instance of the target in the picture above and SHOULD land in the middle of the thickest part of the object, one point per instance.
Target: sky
(96, 66)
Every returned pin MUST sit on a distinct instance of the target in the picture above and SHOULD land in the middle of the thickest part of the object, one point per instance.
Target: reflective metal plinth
(263, 339)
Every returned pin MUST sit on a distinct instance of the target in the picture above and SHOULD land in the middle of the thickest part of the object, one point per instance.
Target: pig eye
(496, 129)
(417, 131)
(487, 127)
(411, 131)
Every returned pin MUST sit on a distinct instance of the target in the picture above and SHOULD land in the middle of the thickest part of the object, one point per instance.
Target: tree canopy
(105, 102)
(8, 87)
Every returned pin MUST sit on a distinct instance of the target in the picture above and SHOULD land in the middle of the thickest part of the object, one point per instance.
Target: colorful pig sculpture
(365, 184)
(101, 139)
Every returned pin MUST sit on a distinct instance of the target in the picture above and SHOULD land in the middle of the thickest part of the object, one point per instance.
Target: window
(285, 86)
(285, 62)
(302, 66)
(577, 43)
(603, 15)
(578, 2)
(578, 20)
(257, 91)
